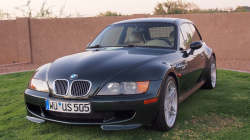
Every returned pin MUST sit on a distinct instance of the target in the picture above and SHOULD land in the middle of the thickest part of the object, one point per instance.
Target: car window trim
(197, 31)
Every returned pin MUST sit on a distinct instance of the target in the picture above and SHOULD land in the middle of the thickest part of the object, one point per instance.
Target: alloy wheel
(213, 72)
(170, 104)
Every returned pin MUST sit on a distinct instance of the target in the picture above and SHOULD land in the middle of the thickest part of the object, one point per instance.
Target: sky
(90, 8)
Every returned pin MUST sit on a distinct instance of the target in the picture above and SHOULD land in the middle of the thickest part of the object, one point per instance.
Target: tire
(212, 75)
(168, 105)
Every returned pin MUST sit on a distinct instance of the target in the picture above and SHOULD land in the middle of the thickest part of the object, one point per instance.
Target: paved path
(15, 72)
(237, 70)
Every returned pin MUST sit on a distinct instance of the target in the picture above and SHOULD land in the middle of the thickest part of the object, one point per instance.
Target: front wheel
(167, 111)
(212, 75)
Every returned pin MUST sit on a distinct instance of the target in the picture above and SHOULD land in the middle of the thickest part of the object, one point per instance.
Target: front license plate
(67, 107)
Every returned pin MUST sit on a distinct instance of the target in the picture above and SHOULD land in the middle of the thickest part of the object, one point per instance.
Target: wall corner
(23, 40)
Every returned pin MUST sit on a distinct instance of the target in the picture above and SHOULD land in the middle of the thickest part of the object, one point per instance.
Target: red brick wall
(226, 33)
(54, 38)
(43, 40)
(14, 41)
(8, 42)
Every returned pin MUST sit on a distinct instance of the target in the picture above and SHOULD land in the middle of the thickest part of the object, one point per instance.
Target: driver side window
(186, 36)
(196, 36)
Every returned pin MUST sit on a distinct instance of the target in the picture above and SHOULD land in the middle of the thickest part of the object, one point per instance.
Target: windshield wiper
(129, 45)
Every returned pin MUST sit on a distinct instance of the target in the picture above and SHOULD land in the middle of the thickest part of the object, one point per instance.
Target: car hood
(99, 65)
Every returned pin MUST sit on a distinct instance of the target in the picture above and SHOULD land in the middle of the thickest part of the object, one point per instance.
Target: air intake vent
(61, 87)
(80, 88)
(93, 115)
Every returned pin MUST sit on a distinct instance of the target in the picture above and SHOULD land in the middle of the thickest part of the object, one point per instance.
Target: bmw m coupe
(134, 73)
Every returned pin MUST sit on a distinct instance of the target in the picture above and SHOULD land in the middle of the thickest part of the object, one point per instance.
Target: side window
(187, 36)
(112, 36)
(196, 36)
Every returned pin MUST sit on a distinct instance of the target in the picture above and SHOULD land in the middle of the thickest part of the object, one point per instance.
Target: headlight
(130, 87)
(113, 87)
(38, 85)
(124, 88)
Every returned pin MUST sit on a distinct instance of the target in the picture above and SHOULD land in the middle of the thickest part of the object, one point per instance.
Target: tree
(108, 13)
(4, 15)
(239, 9)
(175, 7)
(180, 7)
(44, 12)
(159, 9)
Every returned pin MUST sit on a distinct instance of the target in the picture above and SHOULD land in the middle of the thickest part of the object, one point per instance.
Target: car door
(180, 65)
(195, 61)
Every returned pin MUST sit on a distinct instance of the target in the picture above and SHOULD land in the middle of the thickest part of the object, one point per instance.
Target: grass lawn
(221, 113)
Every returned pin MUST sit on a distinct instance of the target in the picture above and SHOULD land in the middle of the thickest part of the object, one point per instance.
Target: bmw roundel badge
(73, 76)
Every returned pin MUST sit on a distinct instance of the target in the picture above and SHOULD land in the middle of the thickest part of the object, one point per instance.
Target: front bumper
(111, 112)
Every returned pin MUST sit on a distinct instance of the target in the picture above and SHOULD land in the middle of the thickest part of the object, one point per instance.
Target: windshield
(137, 34)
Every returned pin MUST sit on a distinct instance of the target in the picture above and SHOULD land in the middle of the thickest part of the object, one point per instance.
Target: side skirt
(188, 93)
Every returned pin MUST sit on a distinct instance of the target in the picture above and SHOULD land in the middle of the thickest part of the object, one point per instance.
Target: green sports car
(133, 74)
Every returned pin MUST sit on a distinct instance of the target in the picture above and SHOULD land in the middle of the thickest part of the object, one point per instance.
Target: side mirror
(194, 46)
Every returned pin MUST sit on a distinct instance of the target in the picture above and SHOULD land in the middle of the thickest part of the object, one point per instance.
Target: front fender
(41, 72)
(208, 52)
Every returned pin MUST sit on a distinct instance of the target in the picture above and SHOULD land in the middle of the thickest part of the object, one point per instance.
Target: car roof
(166, 20)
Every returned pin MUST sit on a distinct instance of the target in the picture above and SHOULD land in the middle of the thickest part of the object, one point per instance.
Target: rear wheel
(212, 75)
(167, 111)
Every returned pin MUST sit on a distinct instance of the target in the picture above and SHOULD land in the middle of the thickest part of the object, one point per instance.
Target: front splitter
(104, 127)
(36, 120)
